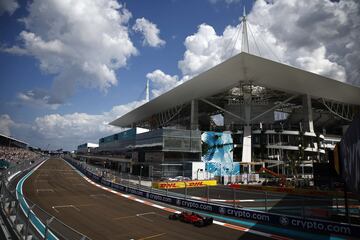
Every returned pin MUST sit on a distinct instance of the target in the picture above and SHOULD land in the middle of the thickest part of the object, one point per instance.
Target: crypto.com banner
(297, 223)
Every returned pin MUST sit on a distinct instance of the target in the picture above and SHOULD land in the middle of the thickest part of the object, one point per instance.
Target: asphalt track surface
(99, 214)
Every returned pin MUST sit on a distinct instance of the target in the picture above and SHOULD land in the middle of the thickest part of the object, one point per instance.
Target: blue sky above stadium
(70, 67)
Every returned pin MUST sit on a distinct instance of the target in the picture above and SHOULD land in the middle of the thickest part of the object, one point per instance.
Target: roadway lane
(62, 192)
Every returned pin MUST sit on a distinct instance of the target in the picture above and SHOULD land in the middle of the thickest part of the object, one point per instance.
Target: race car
(193, 218)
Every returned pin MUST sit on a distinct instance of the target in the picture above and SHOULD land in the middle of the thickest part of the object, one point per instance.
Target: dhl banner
(188, 184)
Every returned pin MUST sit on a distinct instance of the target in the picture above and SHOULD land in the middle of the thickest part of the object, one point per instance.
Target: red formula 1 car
(192, 218)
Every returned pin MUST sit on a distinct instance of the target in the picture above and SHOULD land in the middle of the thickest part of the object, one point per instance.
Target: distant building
(86, 147)
(121, 142)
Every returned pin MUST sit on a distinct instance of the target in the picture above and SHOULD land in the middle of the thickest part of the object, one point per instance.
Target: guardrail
(25, 219)
(331, 208)
(9, 207)
(176, 199)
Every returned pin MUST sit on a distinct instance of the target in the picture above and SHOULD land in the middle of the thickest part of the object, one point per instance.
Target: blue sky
(169, 18)
(68, 68)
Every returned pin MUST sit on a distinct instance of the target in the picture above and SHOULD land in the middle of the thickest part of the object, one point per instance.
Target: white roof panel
(245, 67)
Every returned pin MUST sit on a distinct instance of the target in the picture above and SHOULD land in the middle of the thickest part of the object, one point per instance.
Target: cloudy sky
(67, 68)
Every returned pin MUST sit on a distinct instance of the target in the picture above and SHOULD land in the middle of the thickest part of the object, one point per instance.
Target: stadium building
(86, 148)
(245, 113)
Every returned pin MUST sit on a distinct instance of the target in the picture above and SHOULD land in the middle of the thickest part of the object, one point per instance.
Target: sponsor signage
(118, 187)
(297, 223)
(190, 184)
(167, 185)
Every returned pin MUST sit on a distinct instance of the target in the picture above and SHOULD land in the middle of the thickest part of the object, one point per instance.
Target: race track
(99, 214)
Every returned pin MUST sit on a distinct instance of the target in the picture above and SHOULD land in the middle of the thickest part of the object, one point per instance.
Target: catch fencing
(301, 205)
(28, 218)
(25, 219)
(234, 209)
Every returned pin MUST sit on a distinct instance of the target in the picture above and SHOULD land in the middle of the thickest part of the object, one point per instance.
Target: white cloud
(37, 98)
(5, 124)
(150, 31)
(205, 49)
(67, 130)
(8, 6)
(319, 36)
(318, 63)
(77, 128)
(162, 82)
(226, 1)
(16, 50)
(82, 43)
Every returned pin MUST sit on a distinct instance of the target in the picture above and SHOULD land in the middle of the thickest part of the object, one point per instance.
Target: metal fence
(5, 174)
(27, 219)
(306, 206)
(31, 219)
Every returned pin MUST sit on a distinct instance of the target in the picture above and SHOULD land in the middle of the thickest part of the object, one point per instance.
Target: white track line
(44, 190)
(227, 225)
(65, 206)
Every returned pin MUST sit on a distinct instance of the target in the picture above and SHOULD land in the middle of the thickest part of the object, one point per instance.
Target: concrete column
(307, 111)
(194, 118)
(246, 151)
(247, 107)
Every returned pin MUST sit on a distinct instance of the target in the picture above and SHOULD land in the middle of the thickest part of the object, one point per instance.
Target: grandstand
(11, 142)
(14, 151)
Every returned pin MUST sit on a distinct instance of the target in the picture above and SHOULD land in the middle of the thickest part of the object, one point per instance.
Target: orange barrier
(183, 184)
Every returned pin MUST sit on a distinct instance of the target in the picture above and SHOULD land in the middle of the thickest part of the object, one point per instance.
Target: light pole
(227, 174)
(141, 167)
(221, 177)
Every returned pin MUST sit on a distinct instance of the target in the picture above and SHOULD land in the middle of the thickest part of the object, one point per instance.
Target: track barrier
(26, 219)
(307, 192)
(293, 222)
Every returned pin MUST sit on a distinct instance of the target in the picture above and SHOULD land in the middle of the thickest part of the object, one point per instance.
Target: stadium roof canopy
(245, 67)
(12, 139)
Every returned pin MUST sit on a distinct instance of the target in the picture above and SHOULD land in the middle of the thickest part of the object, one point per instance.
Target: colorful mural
(217, 153)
